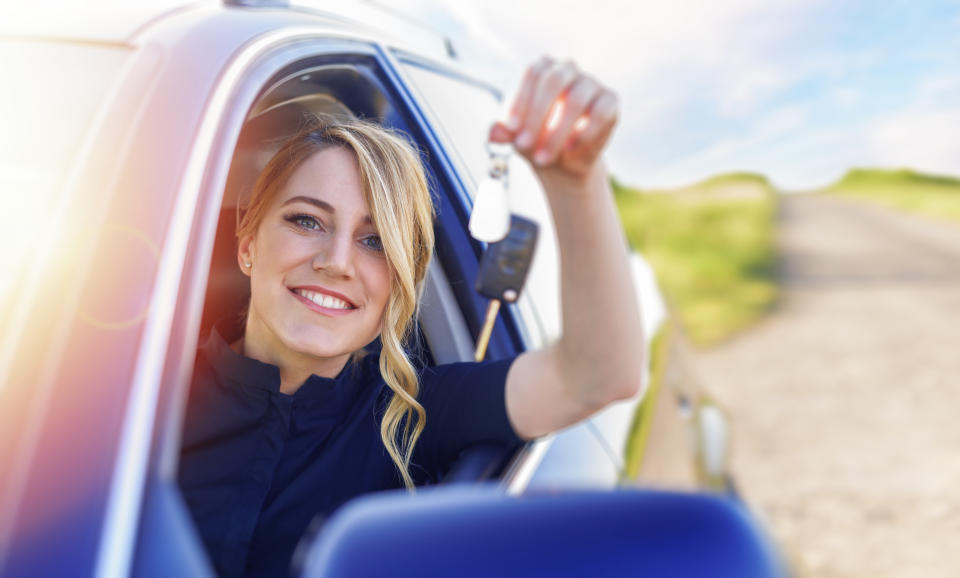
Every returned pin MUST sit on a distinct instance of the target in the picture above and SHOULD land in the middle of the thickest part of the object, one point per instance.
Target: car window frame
(254, 65)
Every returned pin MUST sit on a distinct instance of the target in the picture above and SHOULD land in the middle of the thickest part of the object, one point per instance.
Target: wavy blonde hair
(396, 192)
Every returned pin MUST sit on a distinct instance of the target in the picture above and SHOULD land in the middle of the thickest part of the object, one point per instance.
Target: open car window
(338, 85)
(346, 89)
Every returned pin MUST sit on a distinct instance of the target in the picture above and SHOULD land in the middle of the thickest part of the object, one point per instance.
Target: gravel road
(845, 402)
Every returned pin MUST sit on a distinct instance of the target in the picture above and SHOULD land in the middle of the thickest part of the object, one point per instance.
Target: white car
(128, 139)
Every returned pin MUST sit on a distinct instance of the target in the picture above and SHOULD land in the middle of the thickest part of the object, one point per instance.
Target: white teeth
(323, 300)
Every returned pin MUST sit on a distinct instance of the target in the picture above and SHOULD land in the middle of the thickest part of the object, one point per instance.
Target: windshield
(52, 91)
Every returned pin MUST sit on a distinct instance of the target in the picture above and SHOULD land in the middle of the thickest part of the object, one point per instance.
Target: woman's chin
(321, 344)
(321, 350)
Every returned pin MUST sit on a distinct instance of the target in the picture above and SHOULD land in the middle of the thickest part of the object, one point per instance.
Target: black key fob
(505, 264)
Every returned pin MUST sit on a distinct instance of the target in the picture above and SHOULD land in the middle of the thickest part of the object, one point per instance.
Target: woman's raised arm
(599, 357)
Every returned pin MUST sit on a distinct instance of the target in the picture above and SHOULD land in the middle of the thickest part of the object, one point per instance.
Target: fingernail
(514, 122)
(524, 140)
(541, 157)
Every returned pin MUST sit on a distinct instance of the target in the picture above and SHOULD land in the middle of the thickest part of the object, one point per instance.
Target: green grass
(906, 190)
(713, 248)
(643, 418)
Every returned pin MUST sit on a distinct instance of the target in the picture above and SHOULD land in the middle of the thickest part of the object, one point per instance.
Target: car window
(464, 111)
(335, 84)
(58, 89)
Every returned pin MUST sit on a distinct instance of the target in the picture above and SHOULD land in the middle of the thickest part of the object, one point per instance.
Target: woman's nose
(335, 256)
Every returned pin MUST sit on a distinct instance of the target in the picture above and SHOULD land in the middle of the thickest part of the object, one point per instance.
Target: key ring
(499, 161)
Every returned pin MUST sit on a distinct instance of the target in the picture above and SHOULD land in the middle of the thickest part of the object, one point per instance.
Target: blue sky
(800, 90)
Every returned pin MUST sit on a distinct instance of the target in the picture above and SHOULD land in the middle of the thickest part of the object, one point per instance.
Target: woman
(288, 417)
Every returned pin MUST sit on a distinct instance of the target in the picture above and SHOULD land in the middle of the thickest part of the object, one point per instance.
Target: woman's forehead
(331, 177)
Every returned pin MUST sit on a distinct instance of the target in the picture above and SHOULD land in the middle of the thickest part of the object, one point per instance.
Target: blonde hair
(396, 191)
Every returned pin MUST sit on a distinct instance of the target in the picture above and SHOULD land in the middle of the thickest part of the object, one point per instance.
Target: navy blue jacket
(257, 466)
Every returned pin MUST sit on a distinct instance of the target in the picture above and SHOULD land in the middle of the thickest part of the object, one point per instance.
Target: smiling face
(319, 279)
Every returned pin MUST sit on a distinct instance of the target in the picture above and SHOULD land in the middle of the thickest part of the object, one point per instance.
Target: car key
(490, 218)
(503, 272)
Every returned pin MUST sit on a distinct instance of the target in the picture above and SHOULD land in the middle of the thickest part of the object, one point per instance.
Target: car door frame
(166, 542)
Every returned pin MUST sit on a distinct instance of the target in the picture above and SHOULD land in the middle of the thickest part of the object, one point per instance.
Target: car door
(88, 339)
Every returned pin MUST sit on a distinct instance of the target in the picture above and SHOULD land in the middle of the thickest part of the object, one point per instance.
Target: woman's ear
(245, 254)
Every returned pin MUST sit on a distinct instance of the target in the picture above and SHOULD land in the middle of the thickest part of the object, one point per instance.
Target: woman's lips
(323, 301)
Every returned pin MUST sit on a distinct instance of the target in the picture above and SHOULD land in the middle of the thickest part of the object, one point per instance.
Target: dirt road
(846, 401)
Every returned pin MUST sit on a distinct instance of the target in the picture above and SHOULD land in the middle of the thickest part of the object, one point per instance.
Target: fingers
(551, 84)
(597, 125)
(559, 114)
(526, 93)
(500, 133)
(571, 120)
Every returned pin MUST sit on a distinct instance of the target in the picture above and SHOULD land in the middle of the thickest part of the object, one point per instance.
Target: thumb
(500, 133)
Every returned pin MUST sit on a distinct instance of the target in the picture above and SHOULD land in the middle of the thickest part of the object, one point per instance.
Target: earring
(248, 265)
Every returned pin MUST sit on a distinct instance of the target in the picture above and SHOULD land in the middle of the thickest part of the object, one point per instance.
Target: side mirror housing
(713, 447)
(479, 531)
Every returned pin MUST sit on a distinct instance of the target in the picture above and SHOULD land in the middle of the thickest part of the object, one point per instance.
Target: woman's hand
(560, 122)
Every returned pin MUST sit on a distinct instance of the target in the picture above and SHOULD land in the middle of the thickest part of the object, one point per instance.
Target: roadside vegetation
(713, 246)
(643, 418)
(933, 196)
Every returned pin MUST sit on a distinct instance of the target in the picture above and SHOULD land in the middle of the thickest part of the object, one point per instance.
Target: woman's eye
(373, 242)
(305, 222)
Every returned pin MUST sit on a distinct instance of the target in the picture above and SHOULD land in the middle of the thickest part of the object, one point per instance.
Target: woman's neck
(295, 368)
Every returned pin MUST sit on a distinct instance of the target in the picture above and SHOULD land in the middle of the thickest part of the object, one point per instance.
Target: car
(128, 144)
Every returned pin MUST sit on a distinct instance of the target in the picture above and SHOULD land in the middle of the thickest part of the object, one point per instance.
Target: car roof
(120, 21)
(101, 21)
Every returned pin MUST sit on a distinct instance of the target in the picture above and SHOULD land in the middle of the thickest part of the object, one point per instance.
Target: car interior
(280, 110)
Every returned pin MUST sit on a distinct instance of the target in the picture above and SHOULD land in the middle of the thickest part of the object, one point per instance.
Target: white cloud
(703, 85)
(653, 46)
(733, 153)
(938, 90)
(742, 96)
(923, 135)
(923, 140)
(845, 97)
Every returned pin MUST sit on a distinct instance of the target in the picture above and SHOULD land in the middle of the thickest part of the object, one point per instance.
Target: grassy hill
(930, 195)
(712, 245)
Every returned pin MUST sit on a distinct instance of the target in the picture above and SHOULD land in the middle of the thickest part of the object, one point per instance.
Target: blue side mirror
(479, 531)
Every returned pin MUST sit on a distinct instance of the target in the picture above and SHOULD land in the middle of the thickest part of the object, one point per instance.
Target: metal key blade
(484, 339)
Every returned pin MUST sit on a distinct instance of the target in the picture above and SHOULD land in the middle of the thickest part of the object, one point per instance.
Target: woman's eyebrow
(322, 205)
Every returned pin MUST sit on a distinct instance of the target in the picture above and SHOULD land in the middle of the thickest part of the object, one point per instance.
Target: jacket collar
(246, 372)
